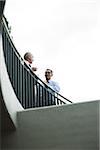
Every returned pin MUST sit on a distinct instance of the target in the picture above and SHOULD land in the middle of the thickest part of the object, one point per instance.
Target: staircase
(27, 119)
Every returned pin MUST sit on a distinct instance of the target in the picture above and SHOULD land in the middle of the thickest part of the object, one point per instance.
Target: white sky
(63, 35)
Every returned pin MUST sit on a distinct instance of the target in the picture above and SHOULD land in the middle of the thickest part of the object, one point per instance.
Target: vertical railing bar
(40, 100)
(26, 93)
(50, 98)
(41, 95)
(37, 95)
(28, 90)
(13, 70)
(5, 46)
(20, 80)
(11, 63)
(23, 86)
(34, 92)
(31, 91)
(47, 97)
(7, 56)
(15, 73)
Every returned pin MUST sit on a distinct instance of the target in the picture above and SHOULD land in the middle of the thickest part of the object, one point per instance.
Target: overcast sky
(63, 35)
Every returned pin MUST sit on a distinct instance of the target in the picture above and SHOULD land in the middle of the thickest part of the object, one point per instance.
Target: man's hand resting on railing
(34, 69)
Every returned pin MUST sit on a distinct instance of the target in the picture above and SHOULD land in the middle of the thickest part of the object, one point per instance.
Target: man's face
(48, 74)
(30, 59)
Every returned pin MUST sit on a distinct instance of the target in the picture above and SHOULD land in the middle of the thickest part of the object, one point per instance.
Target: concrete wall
(10, 100)
(69, 127)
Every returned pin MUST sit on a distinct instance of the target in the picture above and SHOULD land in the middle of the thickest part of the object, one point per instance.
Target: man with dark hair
(54, 85)
(50, 93)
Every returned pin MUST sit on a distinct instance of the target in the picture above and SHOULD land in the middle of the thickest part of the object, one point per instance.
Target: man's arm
(55, 86)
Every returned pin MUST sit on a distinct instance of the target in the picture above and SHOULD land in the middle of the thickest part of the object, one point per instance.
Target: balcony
(29, 118)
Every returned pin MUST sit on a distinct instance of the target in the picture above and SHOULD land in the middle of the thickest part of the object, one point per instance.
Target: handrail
(29, 88)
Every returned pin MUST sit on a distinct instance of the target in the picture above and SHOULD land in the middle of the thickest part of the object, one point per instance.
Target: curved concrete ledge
(11, 102)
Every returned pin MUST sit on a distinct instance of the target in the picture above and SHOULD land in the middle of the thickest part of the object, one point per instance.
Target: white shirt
(54, 85)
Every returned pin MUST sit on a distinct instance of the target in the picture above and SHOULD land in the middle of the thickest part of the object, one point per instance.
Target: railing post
(2, 4)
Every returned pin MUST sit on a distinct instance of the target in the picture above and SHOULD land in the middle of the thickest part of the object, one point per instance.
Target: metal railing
(30, 90)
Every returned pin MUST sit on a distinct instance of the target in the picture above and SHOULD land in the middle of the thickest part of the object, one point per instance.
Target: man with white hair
(28, 57)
